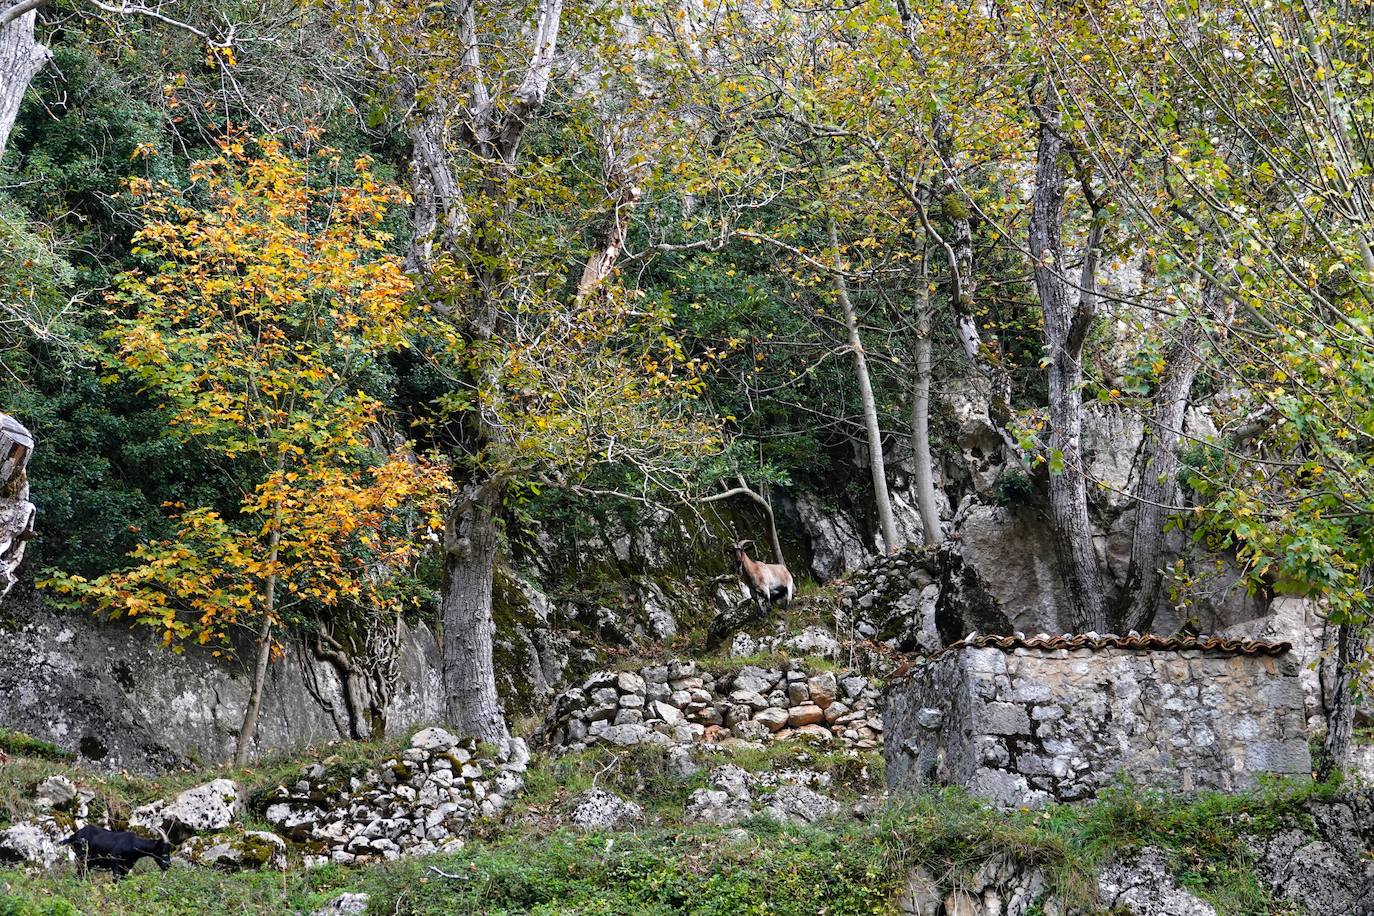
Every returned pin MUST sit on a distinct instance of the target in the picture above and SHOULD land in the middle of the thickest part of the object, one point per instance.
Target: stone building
(1029, 721)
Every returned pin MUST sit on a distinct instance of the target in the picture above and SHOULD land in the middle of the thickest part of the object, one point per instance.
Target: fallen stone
(344, 905)
(799, 805)
(55, 792)
(597, 809)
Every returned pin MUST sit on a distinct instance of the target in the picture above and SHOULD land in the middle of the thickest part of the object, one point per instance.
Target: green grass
(20, 744)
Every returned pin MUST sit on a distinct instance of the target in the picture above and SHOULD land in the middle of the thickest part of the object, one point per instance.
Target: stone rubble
(417, 803)
(32, 844)
(62, 808)
(678, 704)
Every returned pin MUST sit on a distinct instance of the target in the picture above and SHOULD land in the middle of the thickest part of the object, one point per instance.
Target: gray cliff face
(120, 700)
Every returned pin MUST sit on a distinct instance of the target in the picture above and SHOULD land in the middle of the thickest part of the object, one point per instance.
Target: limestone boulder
(792, 804)
(206, 808)
(597, 809)
(28, 843)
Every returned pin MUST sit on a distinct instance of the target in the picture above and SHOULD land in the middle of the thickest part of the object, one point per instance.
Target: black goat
(117, 850)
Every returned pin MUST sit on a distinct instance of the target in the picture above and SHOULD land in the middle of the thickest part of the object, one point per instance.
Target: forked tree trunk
(877, 467)
(21, 57)
(473, 706)
(1068, 316)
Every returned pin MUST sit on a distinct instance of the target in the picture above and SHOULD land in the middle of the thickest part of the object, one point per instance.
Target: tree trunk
(1340, 721)
(469, 628)
(1068, 316)
(1158, 487)
(21, 57)
(886, 524)
(250, 715)
(16, 512)
(931, 532)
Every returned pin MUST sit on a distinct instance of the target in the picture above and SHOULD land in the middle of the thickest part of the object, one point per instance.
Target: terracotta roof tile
(1150, 642)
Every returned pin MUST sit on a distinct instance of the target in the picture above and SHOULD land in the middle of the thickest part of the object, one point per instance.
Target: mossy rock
(235, 850)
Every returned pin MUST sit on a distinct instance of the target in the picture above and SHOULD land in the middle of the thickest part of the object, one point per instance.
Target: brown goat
(764, 581)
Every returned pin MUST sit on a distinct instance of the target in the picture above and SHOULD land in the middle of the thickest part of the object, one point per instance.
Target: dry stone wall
(678, 703)
(1028, 726)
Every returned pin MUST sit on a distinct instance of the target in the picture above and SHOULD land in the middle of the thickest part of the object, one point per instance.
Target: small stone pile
(678, 704)
(891, 600)
(418, 803)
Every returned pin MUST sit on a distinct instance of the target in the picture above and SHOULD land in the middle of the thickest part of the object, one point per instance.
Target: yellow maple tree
(267, 301)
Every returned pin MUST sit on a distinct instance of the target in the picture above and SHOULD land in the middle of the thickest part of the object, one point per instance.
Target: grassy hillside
(532, 863)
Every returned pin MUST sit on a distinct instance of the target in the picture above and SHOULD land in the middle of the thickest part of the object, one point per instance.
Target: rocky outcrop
(679, 704)
(1000, 887)
(418, 803)
(1144, 886)
(1006, 578)
(119, 700)
(1324, 863)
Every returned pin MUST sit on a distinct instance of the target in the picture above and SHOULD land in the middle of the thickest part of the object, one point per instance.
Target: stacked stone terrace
(679, 704)
(1025, 722)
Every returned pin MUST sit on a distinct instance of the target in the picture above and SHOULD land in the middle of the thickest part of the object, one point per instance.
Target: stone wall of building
(1028, 722)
